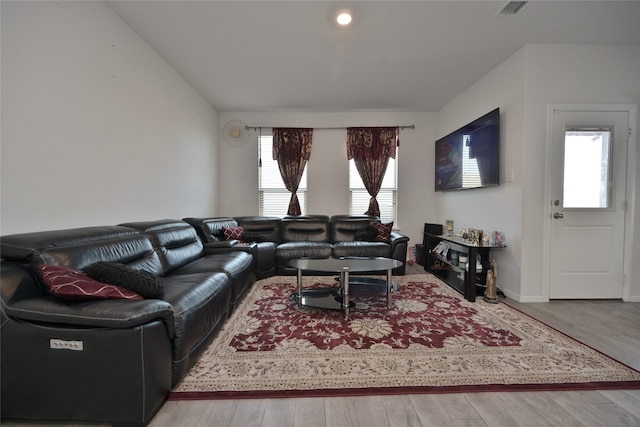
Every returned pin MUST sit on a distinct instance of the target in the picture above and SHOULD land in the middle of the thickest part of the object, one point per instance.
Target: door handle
(558, 215)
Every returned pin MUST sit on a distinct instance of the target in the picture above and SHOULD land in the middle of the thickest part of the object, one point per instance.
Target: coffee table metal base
(330, 298)
(337, 298)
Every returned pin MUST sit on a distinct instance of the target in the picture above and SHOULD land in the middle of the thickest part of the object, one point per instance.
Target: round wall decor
(235, 133)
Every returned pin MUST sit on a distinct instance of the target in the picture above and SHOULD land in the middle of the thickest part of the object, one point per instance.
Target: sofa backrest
(22, 247)
(311, 228)
(261, 228)
(176, 242)
(210, 229)
(344, 227)
(134, 250)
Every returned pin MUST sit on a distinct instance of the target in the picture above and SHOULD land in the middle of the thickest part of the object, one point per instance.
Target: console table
(458, 277)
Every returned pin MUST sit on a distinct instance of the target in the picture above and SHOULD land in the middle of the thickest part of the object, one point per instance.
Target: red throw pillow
(233, 233)
(384, 231)
(68, 283)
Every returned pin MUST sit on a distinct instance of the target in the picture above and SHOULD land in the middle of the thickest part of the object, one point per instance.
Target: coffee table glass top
(353, 265)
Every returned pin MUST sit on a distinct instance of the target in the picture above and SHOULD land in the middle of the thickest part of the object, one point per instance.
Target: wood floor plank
(584, 406)
(221, 411)
(249, 412)
(458, 407)
(547, 409)
(180, 413)
(401, 412)
(360, 411)
(627, 399)
(309, 412)
(430, 410)
(494, 412)
(279, 413)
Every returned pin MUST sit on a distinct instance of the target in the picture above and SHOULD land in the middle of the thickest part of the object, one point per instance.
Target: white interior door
(588, 179)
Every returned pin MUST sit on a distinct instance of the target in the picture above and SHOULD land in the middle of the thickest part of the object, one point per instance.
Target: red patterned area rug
(430, 341)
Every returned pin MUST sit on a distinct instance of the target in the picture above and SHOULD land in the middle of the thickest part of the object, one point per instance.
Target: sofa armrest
(397, 238)
(225, 246)
(23, 300)
(399, 243)
(221, 244)
(116, 314)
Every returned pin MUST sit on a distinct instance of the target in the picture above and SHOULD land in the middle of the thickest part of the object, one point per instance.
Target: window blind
(274, 196)
(359, 197)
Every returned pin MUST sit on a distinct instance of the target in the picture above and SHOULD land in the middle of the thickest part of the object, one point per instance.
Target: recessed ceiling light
(344, 17)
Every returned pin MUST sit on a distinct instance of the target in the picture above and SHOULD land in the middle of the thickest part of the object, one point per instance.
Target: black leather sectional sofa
(117, 360)
(279, 240)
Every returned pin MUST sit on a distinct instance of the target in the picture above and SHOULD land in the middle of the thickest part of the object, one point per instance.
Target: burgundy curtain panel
(292, 149)
(370, 148)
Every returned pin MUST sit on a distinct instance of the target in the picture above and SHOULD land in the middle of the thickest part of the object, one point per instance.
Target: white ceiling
(397, 55)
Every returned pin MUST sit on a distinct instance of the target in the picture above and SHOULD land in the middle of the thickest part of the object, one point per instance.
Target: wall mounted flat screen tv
(470, 156)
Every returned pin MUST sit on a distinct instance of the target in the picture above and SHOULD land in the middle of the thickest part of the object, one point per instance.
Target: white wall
(523, 87)
(328, 168)
(493, 208)
(96, 127)
(570, 74)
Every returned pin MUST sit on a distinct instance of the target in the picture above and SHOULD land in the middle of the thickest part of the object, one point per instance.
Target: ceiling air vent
(511, 8)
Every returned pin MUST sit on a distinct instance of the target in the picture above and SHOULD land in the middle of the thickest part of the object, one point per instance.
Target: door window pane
(587, 168)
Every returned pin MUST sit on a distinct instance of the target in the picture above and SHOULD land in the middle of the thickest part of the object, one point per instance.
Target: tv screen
(470, 156)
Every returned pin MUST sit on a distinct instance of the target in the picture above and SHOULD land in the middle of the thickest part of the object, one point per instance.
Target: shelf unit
(468, 281)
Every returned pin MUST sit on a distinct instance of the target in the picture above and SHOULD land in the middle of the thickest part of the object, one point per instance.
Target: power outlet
(509, 175)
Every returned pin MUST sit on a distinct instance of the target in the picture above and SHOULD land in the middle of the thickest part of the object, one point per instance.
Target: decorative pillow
(367, 234)
(384, 231)
(142, 282)
(233, 233)
(68, 283)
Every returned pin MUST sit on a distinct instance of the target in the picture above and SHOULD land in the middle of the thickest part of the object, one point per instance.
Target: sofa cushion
(237, 265)
(292, 250)
(260, 228)
(133, 250)
(68, 283)
(200, 303)
(384, 230)
(253, 236)
(176, 242)
(305, 229)
(345, 227)
(22, 247)
(142, 282)
(367, 234)
(210, 229)
(233, 233)
(361, 249)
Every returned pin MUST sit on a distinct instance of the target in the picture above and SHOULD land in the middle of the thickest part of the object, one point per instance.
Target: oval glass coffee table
(338, 297)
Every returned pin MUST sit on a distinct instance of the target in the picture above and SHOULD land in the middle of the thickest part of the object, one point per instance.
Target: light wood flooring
(612, 327)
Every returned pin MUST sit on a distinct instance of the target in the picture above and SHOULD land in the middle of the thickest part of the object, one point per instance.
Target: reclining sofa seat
(181, 252)
(303, 236)
(119, 366)
(128, 354)
(262, 235)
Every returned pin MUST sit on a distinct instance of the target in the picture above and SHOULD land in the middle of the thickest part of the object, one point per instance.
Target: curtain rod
(331, 128)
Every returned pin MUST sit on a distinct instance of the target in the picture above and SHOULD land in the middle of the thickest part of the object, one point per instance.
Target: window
(587, 168)
(274, 197)
(387, 197)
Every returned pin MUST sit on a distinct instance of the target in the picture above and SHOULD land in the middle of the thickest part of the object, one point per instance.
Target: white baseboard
(520, 298)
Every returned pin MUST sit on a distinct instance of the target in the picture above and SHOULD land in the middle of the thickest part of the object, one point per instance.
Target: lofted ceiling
(396, 56)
